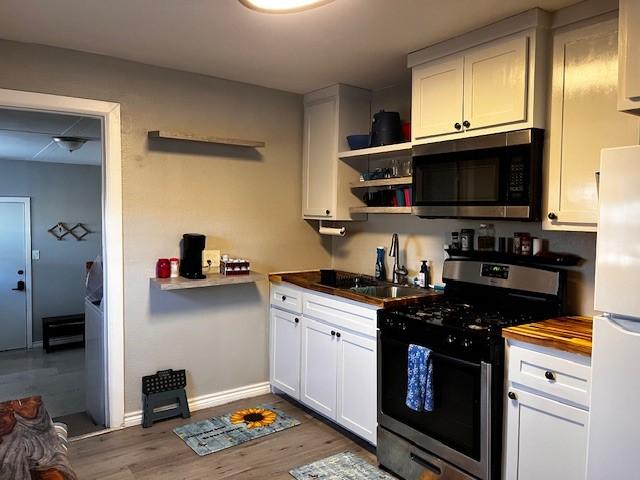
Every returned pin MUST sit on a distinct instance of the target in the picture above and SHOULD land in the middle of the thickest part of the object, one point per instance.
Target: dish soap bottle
(381, 274)
(423, 276)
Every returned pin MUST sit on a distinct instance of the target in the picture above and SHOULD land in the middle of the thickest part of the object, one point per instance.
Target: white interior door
(13, 274)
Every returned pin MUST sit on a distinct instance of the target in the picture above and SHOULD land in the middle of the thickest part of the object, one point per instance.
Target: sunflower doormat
(217, 433)
(343, 465)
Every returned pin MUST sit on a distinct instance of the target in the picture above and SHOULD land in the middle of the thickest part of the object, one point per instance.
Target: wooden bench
(60, 327)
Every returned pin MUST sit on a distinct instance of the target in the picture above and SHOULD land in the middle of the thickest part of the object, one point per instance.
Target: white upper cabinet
(330, 115)
(319, 165)
(629, 55)
(495, 84)
(437, 98)
(488, 81)
(583, 120)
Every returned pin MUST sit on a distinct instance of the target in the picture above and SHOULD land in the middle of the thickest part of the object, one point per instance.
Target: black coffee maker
(191, 249)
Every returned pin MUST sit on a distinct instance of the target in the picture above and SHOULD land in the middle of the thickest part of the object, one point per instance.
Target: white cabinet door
(319, 152)
(437, 98)
(319, 367)
(629, 54)
(285, 352)
(357, 384)
(495, 84)
(584, 120)
(545, 439)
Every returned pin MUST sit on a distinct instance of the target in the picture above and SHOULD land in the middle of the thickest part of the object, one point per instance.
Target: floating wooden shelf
(212, 280)
(238, 142)
(380, 210)
(401, 148)
(383, 182)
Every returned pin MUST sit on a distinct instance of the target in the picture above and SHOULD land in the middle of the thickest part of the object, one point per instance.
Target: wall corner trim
(210, 400)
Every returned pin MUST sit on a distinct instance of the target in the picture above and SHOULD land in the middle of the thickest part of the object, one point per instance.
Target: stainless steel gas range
(461, 437)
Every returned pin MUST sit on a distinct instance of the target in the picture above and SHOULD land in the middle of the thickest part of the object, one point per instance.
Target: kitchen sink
(388, 291)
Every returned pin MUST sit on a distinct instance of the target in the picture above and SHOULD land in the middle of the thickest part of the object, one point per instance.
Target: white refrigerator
(614, 423)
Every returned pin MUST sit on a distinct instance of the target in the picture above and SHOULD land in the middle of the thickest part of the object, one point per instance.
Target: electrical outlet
(212, 256)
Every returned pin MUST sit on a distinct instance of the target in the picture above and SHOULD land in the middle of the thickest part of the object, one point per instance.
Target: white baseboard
(211, 400)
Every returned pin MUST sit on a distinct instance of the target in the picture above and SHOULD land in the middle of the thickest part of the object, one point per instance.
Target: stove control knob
(403, 325)
(467, 343)
(451, 339)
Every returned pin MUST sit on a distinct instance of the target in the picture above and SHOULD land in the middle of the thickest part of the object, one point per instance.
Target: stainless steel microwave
(494, 177)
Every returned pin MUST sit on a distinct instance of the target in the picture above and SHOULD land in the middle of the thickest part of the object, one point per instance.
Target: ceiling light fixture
(283, 6)
(69, 143)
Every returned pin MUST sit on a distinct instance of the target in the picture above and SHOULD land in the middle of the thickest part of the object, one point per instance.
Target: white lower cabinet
(546, 420)
(357, 378)
(326, 357)
(319, 367)
(285, 352)
(545, 438)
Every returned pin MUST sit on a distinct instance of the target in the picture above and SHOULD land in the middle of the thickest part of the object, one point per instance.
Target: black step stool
(164, 388)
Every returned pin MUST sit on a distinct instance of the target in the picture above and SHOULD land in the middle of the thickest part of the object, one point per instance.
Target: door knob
(466, 124)
(20, 286)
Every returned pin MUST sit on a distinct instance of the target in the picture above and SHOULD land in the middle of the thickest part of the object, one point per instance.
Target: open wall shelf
(212, 280)
(385, 150)
(383, 182)
(237, 142)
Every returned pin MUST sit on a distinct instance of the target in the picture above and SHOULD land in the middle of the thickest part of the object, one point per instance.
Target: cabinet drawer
(560, 377)
(341, 313)
(286, 297)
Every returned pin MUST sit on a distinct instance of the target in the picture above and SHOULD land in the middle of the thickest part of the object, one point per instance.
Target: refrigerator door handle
(597, 175)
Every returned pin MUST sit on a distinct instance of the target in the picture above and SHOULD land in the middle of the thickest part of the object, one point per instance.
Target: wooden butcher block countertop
(311, 281)
(571, 334)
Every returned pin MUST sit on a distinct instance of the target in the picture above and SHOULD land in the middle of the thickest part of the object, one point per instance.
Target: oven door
(458, 430)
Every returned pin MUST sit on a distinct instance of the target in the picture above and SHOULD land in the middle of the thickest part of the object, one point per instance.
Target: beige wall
(246, 203)
(424, 239)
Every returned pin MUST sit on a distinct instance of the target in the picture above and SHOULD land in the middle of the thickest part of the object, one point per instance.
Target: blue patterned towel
(419, 379)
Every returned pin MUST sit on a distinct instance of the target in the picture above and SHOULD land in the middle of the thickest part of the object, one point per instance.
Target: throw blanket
(30, 448)
(419, 379)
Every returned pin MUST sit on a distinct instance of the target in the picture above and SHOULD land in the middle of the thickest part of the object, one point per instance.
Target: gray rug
(343, 466)
(217, 433)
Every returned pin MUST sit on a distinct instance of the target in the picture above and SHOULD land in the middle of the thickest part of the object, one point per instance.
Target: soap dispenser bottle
(423, 276)
(381, 274)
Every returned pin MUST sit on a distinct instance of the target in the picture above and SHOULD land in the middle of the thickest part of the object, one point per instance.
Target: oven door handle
(456, 360)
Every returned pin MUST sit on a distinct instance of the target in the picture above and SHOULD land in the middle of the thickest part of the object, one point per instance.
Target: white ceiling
(360, 42)
(26, 135)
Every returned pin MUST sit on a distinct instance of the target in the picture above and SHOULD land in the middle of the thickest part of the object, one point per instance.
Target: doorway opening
(61, 258)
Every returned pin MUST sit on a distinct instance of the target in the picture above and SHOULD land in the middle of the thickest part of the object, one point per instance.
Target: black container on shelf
(386, 129)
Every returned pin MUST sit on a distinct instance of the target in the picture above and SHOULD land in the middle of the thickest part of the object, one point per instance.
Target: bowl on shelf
(356, 142)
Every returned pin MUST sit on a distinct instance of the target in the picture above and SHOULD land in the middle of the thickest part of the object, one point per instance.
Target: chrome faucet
(399, 273)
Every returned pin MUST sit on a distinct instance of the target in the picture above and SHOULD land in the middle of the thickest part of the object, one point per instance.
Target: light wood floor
(157, 453)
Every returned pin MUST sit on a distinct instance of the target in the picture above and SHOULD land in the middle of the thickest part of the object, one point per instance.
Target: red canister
(163, 268)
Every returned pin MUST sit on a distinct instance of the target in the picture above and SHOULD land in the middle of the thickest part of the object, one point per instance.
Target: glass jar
(525, 243)
(486, 238)
(163, 268)
(466, 239)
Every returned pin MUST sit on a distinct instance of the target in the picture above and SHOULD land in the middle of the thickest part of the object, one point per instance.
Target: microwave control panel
(518, 177)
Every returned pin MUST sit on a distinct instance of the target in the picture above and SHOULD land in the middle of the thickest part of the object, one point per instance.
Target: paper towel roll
(336, 232)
